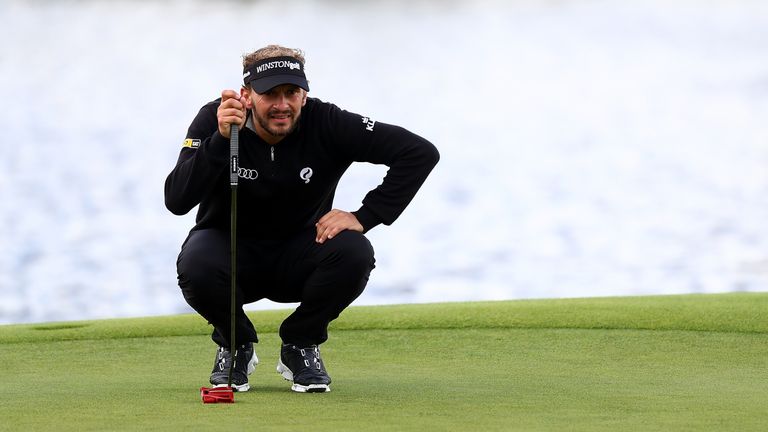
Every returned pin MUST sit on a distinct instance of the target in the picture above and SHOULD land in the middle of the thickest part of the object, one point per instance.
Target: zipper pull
(272, 153)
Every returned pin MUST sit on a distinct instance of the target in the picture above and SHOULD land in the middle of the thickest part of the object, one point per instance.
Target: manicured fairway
(643, 363)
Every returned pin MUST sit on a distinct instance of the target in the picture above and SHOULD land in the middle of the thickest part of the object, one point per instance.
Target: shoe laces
(222, 358)
(314, 355)
(225, 357)
(310, 356)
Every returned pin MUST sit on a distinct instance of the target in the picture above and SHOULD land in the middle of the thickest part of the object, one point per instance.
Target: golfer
(292, 245)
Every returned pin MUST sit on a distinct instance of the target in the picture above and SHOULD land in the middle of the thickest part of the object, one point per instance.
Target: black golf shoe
(305, 368)
(245, 364)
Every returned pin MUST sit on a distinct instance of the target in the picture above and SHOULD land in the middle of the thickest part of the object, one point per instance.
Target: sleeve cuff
(366, 218)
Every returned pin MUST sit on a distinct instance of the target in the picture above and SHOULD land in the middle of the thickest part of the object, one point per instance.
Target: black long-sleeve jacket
(286, 187)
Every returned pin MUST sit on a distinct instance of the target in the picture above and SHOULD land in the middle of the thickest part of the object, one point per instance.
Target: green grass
(695, 362)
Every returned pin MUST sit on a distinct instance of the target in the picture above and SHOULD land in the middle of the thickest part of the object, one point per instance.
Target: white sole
(299, 388)
(237, 388)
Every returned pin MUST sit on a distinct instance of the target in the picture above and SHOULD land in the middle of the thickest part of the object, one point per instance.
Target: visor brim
(262, 85)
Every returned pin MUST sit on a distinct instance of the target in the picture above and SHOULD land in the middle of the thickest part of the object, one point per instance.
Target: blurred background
(589, 148)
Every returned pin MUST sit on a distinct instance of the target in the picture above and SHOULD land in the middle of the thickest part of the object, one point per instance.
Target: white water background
(589, 148)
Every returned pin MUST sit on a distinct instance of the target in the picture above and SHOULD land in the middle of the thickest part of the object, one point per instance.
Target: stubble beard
(277, 131)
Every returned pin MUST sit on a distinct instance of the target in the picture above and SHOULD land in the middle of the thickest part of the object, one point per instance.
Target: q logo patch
(306, 174)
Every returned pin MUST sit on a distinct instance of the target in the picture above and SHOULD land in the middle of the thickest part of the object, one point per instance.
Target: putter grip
(234, 144)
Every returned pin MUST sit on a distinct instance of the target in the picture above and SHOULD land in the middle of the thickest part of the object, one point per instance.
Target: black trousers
(324, 278)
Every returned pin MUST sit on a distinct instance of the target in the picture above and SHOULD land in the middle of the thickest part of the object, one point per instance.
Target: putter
(227, 394)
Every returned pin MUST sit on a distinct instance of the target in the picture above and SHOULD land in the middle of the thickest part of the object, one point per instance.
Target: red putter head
(217, 395)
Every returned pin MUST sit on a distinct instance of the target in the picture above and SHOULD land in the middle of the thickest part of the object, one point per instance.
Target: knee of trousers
(353, 252)
(203, 280)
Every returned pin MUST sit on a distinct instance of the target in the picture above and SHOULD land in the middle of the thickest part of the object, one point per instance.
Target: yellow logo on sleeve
(191, 143)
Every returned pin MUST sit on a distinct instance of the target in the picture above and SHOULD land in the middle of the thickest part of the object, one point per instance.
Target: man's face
(276, 112)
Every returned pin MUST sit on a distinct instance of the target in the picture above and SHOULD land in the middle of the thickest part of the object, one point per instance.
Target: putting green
(693, 362)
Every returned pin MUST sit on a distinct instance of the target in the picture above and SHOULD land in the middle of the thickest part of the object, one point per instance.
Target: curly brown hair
(270, 51)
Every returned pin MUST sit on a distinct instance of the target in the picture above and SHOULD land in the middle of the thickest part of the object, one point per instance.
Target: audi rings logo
(248, 174)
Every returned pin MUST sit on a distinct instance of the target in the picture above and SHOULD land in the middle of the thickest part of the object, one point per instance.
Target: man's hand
(334, 222)
(231, 111)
